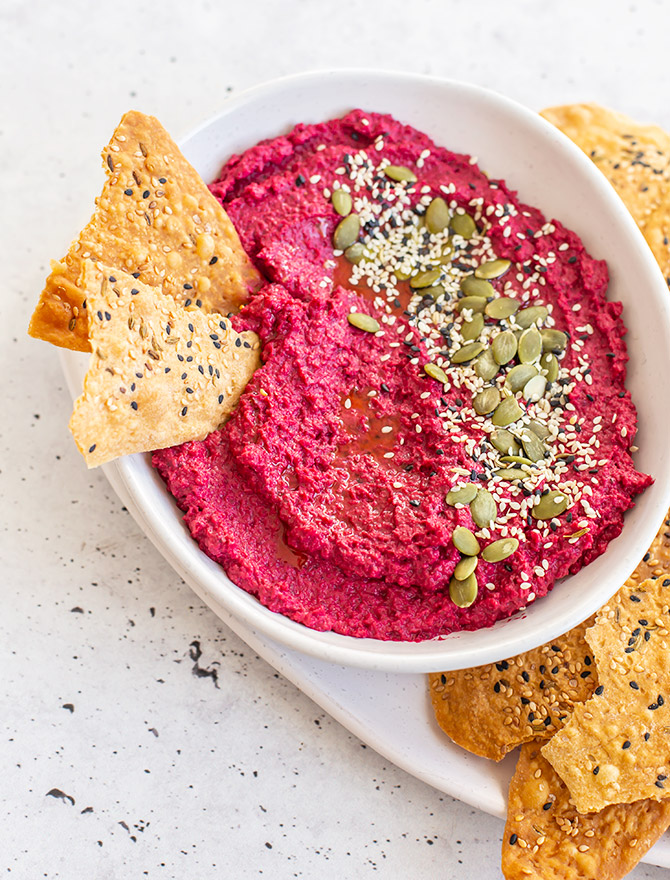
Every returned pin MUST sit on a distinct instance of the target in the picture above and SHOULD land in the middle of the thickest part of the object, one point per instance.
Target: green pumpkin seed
(346, 232)
(400, 173)
(518, 376)
(485, 366)
(436, 291)
(462, 494)
(342, 202)
(463, 593)
(532, 315)
(467, 352)
(499, 550)
(436, 372)
(355, 253)
(463, 225)
(534, 389)
(516, 459)
(504, 442)
(549, 364)
(552, 504)
(502, 307)
(477, 286)
(473, 329)
(465, 567)
(540, 430)
(447, 254)
(530, 345)
(492, 269)
(464, 540)
(532, 446)
(554, 340)
(402, 274)
(511, 474)
(483, 509)
(425, 279)
(472, 303)
(506, 413)
(437, 215)
(504, 347)
(484, 402)
(363, 322)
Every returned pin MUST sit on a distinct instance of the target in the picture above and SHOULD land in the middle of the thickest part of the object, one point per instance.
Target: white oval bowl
(550, 172)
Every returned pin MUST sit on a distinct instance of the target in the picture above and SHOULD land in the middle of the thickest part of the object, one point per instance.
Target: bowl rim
(210, 581)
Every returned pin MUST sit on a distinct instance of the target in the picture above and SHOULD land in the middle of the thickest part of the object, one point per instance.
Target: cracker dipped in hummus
(440, 428)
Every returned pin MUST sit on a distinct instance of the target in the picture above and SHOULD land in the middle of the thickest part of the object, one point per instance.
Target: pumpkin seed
(472, 303)
(425, 279)
(554, 340)
(504, 347)
(346, 232)
(485, 366)
(518, 376)
(437, 215)
(540, 430)
(532, 315)
(436, 372)
(532, 446)
(402, 275)
(463, 225)
(511, 474)
(530, 345)
(436, 291)
(506, 412)
(465, 567)
(473, 329)
(504, 442)
(477, 286)
(483, 509)
(502, 307)
(355, 253)
(549, 364)
(363, 322)
(534, 389)
(467, 352)
(464, 540)
(463, 593)
(342, 202)
(462, 494)
(484, 402)
(400, 173)
(492, 269)
(499, 550)
(552, 504)
(515, 459)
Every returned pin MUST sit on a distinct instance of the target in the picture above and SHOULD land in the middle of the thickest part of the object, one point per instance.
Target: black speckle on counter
(195, 652)
(76, 610)
(87, 810)
(57, 793)
(68, 706)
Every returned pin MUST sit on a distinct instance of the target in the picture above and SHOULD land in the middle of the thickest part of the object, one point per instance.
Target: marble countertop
(142, 738)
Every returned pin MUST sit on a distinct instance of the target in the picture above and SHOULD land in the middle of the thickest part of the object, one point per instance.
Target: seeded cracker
(636, 160)
(492, 709)
(159, 374)
(155, 218)
(615, 748)
(546, 837)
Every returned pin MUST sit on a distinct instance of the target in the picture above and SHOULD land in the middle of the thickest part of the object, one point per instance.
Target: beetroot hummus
(440, 428)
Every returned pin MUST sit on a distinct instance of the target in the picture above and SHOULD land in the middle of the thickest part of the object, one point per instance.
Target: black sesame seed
(134, 404)
(128, 192)
(188, 287)
(599, 690)
(646, 737)
(596, 770)
(626, 745)
(91, 448)
(547, 806)
(213, 260)
(525, 676)
(634, 685)
(238, 342)
(513, 839)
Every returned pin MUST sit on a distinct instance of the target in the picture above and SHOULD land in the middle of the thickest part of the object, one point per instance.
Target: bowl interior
(513, 143)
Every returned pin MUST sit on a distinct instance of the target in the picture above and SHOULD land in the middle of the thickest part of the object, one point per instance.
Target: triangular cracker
(636, 160)
(546, 837)
(616, 747)
(156, 219)
(160, 374)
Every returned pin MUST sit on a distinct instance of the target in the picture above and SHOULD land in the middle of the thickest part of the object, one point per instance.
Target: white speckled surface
(178, 751)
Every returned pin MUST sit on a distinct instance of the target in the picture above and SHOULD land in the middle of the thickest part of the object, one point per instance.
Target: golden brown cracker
(156, 219)
(616, 747)
(492, 709)
(636, 160)
(160, 374)
(546, 837)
